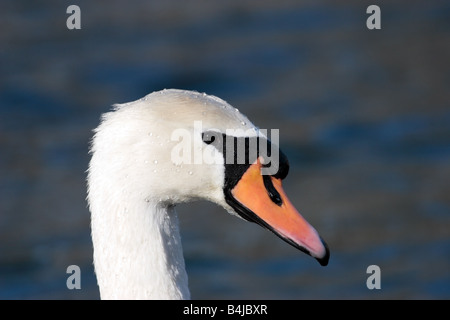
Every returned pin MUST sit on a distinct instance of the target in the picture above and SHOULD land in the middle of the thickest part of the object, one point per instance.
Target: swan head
(175, 146)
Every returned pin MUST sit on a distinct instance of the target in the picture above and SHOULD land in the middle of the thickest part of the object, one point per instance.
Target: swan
(167, 148)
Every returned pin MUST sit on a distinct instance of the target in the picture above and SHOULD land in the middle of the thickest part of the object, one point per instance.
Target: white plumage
(133, 185)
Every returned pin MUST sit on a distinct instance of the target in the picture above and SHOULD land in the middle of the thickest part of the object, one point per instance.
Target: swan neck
(138, 253)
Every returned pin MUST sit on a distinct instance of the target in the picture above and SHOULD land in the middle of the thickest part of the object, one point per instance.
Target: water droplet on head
(155, 161)
(243, 123)
(190, 172)
(150, 134)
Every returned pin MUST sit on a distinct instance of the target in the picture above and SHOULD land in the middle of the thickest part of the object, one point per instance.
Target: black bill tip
(324, 260)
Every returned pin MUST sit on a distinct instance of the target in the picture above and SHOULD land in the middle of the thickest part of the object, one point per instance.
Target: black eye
(208, 138)
(273, 193)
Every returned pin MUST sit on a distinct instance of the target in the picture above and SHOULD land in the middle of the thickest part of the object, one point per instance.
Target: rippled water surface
(364, 118)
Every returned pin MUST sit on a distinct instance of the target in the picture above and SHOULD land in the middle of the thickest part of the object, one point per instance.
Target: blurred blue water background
(364, 117)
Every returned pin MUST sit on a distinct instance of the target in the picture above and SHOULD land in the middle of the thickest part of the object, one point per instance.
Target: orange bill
(266, 203)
